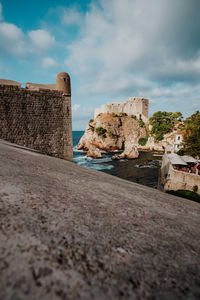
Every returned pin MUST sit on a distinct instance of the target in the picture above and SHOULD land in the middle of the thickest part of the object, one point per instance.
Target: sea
(143, 170)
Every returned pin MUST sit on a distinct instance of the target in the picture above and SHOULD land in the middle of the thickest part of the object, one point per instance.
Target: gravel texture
(67, 232)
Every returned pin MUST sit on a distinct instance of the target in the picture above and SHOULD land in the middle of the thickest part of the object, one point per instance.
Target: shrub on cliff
(101, 131)
(141, 123)
(91, 121)
(143, 141)
(110, 134)
(134, 117)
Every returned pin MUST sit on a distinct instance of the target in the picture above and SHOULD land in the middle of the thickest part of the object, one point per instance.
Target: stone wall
(132, 106)
(38, 119)
(171, 179)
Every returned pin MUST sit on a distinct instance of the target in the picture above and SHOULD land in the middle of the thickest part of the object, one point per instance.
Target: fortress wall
(133, 106)
(36, 86)
(40, 120)
(100, 110)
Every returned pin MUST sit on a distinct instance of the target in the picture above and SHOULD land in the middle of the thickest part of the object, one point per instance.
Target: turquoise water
(143, 170)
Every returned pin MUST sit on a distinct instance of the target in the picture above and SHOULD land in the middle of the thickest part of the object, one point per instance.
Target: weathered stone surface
(39, 119)
(67, 232)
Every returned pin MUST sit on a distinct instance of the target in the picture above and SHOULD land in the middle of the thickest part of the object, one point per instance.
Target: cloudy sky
(112, 49)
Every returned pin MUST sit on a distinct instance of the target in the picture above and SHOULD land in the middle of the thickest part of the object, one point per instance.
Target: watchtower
(63, 83)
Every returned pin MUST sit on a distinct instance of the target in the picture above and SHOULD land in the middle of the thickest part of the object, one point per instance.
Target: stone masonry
(133, 106)
(38, 117)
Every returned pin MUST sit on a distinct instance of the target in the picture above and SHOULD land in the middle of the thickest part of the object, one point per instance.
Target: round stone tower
(63, 83)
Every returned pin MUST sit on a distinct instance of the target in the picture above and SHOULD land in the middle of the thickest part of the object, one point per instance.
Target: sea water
(143, 170)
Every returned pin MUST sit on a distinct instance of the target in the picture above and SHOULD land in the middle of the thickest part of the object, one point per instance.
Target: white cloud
(41, 40)
(71, 16)
(80, 116)
(127, 46)
(48, 62)
(12, 39)
(81, 113)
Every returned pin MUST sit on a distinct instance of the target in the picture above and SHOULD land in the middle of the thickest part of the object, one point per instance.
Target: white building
(178, 140)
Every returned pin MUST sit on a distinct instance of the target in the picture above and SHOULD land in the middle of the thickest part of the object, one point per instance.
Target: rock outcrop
(94, 152)
(167, 142)
(109, 132)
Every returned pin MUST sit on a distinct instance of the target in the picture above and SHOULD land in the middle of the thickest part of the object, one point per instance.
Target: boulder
(130, 150)
(94, 152)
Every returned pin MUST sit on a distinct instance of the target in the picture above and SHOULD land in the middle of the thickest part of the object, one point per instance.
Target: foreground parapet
(67, 232)
(38, 116)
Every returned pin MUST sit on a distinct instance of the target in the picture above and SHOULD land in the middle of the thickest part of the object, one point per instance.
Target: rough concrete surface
(67, 232)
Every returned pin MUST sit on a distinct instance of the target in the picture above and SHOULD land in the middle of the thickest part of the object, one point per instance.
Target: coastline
(143, 170)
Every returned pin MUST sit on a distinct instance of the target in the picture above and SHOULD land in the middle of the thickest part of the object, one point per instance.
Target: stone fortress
(133, 106)
(38, 116)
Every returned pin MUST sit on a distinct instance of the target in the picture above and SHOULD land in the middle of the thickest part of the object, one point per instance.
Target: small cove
(143, 170)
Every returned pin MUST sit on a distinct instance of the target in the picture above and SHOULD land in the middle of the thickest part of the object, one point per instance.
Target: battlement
(133, 106)
(38, 116)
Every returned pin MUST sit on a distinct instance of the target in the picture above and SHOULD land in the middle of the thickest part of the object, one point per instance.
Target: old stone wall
(133, 106)
(38, 119)
(171, 179)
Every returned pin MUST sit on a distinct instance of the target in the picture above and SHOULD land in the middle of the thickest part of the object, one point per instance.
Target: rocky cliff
(111, 132)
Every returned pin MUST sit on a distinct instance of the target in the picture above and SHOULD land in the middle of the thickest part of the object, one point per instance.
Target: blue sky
(112, 49)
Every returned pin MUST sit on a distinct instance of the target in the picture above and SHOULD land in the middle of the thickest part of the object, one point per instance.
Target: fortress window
(64, 79)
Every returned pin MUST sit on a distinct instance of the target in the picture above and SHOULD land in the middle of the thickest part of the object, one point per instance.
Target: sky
(112, 49)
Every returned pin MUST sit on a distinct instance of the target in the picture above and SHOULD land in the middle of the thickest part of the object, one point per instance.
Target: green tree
(191, 139)
(163, 122)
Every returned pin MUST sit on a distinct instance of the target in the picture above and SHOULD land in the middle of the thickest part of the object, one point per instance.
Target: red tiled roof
(181, 132)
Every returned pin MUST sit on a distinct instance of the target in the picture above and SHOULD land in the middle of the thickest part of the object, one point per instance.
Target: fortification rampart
(133, 106)
(37, 118)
